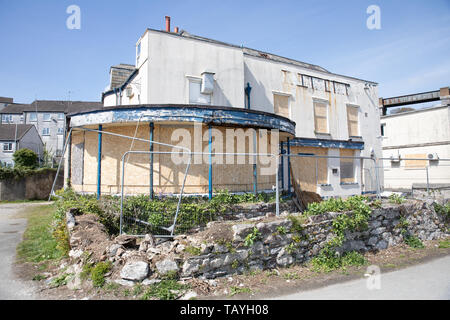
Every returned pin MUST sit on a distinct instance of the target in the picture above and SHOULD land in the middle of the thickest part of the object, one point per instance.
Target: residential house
(49, 117)
(18, 136)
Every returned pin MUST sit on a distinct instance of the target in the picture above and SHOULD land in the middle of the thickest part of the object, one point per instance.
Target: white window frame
(61, 116)
(10, 147)
(60, 131)
(196, 79)
(7, 118)
(49, 116)
(35, 114)
(45, 130)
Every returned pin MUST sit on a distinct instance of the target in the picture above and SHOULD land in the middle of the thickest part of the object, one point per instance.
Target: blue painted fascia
(323, 143)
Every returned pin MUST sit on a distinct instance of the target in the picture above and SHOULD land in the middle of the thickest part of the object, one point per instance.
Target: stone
(112, 250)
(372, 241)
(240, 231)
(126, 240)
(379, 230)
(166, 266)
(242, 254)
(135, 271)
(219, 248)
(149, 282)
(216, 263)
(70, 220)
(284, 259)
(190, 267)
(381, 245)
(75, 254)
(127, 283)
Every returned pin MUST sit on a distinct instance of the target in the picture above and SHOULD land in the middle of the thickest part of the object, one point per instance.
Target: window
(383, 126)
(45, 131)
(352, 121)
(321, 117)
(347, 166)
(7, 147)
(60, 130)
(46, 116)
(60, 116)
(281, 105)
(33, 116)
(7, 118)
(195, 95)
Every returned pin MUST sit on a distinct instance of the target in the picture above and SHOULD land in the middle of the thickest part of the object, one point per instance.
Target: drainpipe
(99, 162)
(210, 162)
(151, 160)
(282, 165)
(255, 171)
(248, 89)
(289, 165)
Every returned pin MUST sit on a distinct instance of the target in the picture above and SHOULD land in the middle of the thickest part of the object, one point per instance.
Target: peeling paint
(216, 116)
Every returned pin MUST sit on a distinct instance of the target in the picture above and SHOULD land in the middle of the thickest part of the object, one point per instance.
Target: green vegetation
(38, 242)
(236, 290)
(443, 210)
(335, 205)
(96, 272)
(252, 237)
(193, 250)
(21, 172)
(164, 290)
(396, 199)
(291, 276)
(329, 260)
(412, 241)
(61, 280)
(25, 158)
(444, 244)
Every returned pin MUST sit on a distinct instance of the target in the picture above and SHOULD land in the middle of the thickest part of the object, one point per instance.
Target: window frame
(358, 109)
(60, 131)
(327, 104)
(9, 149)
(46, 129)
(36, 117)
(353, 178)
(49, 116)
(198, 80)
(7, 118)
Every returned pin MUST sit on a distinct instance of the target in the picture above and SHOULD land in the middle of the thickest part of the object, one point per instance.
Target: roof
(120, 73)
(8, 131)
(53, 106)
(260, 54)
(6, 100)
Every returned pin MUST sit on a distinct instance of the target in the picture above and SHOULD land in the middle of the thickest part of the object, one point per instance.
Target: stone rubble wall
(151, 259)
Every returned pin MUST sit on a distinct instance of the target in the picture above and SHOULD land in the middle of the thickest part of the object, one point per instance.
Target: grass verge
(38, 243)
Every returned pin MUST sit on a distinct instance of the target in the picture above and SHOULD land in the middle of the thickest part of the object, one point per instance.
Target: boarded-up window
(281, 105)
(321, 117)
(352, 121)
(411, 164)
(347, 166)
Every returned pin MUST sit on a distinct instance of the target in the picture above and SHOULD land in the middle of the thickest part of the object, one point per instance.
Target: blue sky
(41, 59)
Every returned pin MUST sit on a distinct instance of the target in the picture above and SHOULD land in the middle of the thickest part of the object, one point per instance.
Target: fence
(417, 175)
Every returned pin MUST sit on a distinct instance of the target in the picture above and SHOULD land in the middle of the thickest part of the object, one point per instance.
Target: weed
(281, 230)
(61, 280)
(328, 260)
(291, 276)
(252, 237)
(444, 244)
(38, 277)
(98, 273)
(164, 290)
(237, 290)
(396, 199)
(193, 250)
(412, 241)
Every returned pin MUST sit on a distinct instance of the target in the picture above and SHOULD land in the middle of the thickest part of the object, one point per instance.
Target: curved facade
(197, 128)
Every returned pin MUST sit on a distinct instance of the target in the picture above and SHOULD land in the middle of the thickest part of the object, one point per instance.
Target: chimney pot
(176, 30)
(167, 23)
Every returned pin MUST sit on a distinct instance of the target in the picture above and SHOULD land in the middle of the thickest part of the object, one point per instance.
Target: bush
(25, 158)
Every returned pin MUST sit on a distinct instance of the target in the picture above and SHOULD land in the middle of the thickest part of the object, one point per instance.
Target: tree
(25, 158)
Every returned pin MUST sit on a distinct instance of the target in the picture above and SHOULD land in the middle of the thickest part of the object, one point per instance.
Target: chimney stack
(176, 30)
(167, 23)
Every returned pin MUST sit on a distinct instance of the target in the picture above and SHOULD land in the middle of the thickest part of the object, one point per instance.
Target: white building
(335, 115)
(417, 134)
(18, 136)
